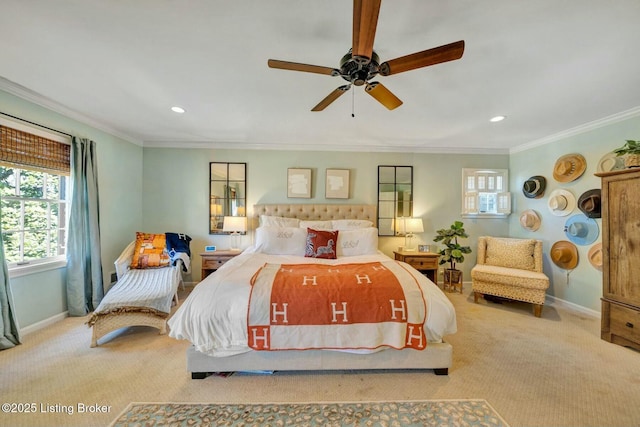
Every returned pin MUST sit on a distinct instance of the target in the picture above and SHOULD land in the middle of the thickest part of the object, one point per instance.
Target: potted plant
(631, 153)
(453, 252)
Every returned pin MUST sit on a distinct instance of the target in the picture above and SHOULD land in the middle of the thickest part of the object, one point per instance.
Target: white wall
(584, 286)
(40, 296)
(176, 192)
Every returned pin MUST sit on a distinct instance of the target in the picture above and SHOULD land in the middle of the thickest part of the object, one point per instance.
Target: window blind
(28, 151)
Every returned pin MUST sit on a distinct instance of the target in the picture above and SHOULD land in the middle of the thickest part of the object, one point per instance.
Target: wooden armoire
(621, 257)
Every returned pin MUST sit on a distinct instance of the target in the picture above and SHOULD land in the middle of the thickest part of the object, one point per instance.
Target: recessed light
(497, 119)
(177, 109)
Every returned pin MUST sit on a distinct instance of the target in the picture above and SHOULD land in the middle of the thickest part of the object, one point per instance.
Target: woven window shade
(28, 151)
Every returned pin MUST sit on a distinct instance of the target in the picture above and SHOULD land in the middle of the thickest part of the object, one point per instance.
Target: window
(485, 193)
(33, 214)
(34, 184)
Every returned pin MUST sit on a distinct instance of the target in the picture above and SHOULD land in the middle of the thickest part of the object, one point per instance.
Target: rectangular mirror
(227, 193)
(395, 197)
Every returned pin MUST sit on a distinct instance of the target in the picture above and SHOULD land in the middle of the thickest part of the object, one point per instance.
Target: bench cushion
(509, 276)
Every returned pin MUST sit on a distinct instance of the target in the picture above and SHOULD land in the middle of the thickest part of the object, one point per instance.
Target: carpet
(471, 413)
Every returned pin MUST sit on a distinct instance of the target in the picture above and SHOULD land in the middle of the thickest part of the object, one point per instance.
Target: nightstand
(424, 262)
(211, 261)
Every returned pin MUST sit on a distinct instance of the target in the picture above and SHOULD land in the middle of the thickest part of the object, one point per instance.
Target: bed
(144, 295)
(217, 316)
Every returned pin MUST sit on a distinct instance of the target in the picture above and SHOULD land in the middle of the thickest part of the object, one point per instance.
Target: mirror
(395, 197)
(227, 193)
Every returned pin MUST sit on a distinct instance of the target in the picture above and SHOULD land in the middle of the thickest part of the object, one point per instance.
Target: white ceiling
(548, 65)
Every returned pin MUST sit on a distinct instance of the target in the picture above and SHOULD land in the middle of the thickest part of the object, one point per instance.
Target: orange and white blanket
(361, 306)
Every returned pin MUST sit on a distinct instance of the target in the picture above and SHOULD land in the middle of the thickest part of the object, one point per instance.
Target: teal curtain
(8, 325)
(84, 268)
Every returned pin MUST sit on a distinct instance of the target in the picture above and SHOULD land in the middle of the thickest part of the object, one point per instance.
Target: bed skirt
(437, 356)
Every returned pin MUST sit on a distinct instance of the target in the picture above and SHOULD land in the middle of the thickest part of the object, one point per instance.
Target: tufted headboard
(319, 212)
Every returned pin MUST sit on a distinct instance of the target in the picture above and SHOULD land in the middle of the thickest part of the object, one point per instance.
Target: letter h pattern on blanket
(346, 306)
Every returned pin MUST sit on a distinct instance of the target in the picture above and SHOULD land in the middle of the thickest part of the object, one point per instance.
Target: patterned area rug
(471, 413)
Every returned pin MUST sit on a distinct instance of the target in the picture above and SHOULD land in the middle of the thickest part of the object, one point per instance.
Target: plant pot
(452, 280)
(632, 161)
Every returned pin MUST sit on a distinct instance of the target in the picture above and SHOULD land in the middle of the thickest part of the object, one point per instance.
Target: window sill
(24, 270)
(485, 216)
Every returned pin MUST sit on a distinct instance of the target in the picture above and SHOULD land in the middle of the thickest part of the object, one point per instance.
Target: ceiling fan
(361, 63)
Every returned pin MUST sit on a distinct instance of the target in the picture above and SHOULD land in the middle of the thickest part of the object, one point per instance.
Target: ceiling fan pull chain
(353, 103)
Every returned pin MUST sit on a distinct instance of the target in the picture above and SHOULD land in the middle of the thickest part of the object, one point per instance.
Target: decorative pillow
(361, 241)
(150, 251)
(350, 224)
(510, 253)
(317, 225)
(321, 244)
(278, 221)
(281, 240)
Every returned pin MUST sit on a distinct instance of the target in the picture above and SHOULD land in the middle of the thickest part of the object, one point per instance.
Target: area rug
(471, 413)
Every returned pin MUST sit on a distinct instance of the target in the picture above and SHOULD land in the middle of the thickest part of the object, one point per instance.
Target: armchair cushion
(510, 277)
(510, 253)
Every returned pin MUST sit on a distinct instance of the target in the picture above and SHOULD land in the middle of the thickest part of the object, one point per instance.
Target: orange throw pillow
(150, 251)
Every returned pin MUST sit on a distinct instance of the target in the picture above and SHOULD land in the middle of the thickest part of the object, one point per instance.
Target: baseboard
(43, 323)
(574, 307)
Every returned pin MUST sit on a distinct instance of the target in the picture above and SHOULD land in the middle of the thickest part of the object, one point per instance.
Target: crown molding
(231, 145)
(48, 103)
(587, 127)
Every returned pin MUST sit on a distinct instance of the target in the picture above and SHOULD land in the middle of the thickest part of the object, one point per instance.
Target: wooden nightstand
(211, 261)
(424, 262)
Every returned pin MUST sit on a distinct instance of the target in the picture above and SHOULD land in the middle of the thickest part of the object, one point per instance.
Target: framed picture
(424, 248)
(337, 184)
(299, 183)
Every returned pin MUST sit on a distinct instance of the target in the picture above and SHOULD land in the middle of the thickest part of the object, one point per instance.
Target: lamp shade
(413, 225)
(234, 224)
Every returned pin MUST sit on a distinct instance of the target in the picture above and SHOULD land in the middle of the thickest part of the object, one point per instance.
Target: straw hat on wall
(595, 256)
(564, 254)
(530, 220)
(569, 167)
(561, 202)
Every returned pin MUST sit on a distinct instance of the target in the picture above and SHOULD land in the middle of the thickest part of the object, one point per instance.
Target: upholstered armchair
(510, 268)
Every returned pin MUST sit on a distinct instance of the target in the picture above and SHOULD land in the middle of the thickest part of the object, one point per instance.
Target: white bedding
(214, 316)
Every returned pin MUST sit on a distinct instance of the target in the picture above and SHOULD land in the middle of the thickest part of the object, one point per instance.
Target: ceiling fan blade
(295, 66)
(331, 97)
(365, 21)
(437, 55)
(383, 95)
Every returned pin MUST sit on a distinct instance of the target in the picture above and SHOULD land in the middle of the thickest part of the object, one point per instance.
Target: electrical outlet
(114, 277)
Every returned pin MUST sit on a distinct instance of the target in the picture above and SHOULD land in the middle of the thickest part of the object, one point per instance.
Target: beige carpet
(552, 371)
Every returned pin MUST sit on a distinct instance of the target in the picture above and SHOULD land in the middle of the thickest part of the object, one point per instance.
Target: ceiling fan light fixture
(496, 119)
(177, 109)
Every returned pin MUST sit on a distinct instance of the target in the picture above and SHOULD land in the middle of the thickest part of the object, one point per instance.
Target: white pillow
(361, 241)
(316, 225)
(278, 221)
(350, 224)
(281, 240)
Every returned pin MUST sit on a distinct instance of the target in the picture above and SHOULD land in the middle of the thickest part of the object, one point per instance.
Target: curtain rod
(36, 124)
